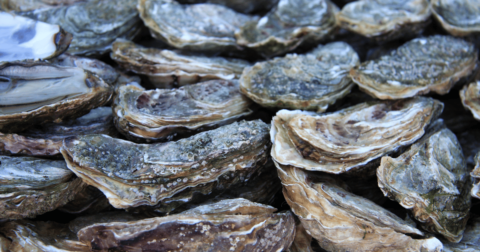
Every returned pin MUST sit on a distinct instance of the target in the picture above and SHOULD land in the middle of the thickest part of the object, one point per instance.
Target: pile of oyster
(271, 125)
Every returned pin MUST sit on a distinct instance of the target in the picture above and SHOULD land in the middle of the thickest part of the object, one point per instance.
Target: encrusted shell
(385, 19)
(164, 67)
(311, 81)
(131, 174)
(458, 17)
(348, 139)
(420, 66)
(162, 113)
(431, 179)
(342, 221)
(470, 96)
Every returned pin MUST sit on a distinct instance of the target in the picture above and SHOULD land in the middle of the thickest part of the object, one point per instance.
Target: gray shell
(458, 17)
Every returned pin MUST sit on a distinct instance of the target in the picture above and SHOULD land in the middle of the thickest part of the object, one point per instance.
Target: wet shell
(288, 25)
(458, 17)
(131, 174)
(34, 93)
(385, 19)
(161, 114)
(432, 180)
(166, 67)
(470, 95)
(342, 221)
(197, 27)
(348, 139)
(311, 81)
(420, 66)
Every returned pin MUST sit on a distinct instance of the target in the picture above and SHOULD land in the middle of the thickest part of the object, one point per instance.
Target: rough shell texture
(197, 27)
(165, 67)
(385, 19)
(432, 180)
(24, 38)
(458, 17)
(342, 221)
(94, 24)
(470, 95)
(33, 186)
(38, 93)
(476, 176)
(247, 230)
(420, 66)
(348, 139)
(39, 236)
(311, 81)
(470, 241)
(288, 25)
(243, 6)
(138, 174)
(161, 114)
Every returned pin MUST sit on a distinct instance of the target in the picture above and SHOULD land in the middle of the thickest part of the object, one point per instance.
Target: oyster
(476, 176)
(39, 236)
(24, 38)
(311, 81)
(33, 186)
(164, 67)
(458, 17)
(243, 6)
(470, 241)
(38, 93)
(420, 66)
(197, 27)
(231, 225)
(161, 114)
(385, 19)
(342, 221)
(131, 174)
(431, 179)
(346, 140)
(94, 24)
(288, 25)
(470, 95)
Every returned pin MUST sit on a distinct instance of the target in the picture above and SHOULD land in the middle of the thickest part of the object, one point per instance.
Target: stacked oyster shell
(182, 158)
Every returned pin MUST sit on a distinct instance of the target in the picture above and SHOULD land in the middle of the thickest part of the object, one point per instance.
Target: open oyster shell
(23, 38)
(39, 92)
(420, 66)
(161, 114)
(230, 225)
(131, 174)
(431, 179)
(342, 221)
(197, 27)
(470, 96)
(33, 186)
(164, 67)
(470, 241)
(288, 25)
(311, 81)
(458, 17)
(348, 139)
(385, 19)
(94, 24)
(243, 6)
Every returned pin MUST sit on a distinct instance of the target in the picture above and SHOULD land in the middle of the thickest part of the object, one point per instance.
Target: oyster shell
(342, 221)
(197, 27)
(311, 81)
(385, 19)
(458, 17)
(302, 241)
(420, 66)
(470, 241)
(288, 25)
(33, 186)
(243, 6)
(470, 95)
(94, 24)
(166, 67)
(28, 236)
(30, 5)
(23, 38)
(231, 225)
(38, 93)
(131, 174)
(431, 179)
(160, 114)
(476, 176)
(348, 139)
